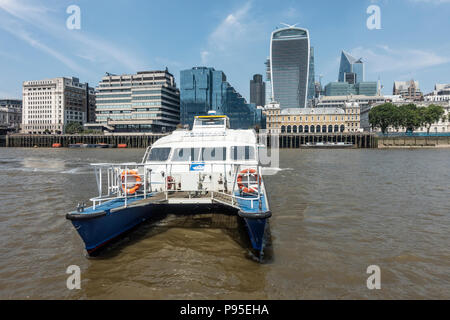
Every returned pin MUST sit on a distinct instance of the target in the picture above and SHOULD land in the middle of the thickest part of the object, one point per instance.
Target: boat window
(210, 122)
(159, 154)
(214, 154)
(186, 154)
(242, 153)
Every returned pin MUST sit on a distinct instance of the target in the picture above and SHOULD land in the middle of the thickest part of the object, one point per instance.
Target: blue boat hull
(111, 219)
(98, 227)
(256, 229)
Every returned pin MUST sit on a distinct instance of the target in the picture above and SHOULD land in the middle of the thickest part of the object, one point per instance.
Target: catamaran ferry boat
(210, 164)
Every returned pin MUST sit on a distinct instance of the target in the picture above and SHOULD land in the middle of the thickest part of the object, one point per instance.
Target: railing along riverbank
(46, 141)
(285, 141)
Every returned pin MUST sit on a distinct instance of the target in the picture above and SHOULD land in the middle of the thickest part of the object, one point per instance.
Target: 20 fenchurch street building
(290, 60)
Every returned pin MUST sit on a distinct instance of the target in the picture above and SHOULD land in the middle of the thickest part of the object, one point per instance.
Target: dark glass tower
(258, 90)
(203, 89)
(290, 64)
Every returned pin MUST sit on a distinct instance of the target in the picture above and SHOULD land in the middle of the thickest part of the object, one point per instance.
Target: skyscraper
(258, 90)
(351, 69)
(290, 64)
(203, 89)
(311, 86)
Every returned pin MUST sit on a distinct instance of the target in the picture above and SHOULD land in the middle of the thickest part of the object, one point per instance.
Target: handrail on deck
(117, 178)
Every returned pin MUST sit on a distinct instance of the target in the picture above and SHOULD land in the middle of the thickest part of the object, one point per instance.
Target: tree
(432, 114)
(74, 127)
(410, 117)
(383, 116)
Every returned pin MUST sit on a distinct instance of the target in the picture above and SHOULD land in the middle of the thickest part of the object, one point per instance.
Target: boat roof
(228, 137)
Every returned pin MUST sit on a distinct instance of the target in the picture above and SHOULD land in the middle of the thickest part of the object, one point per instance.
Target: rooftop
(300, 111)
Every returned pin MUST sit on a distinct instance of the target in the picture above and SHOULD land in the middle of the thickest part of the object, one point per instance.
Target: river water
(335, 212)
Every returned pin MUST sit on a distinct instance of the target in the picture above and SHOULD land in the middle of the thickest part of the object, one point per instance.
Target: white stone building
(10, 114)
(50, 105)
(438, 127)
(441, 93)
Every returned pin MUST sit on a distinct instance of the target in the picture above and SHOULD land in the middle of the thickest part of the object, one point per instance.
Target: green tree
(410, 117)
(74, 127)
(383, 116)
(432, 114)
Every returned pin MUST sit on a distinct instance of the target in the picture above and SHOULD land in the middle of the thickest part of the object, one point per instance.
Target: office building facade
(289, 64)
(205, 89)
(311, 77)
(351, 69)
(440, 93)
(11, 114)
(409, 90)
(148, 101)
(345, 89)
(314, 120)
(49, 105)
(258, 90)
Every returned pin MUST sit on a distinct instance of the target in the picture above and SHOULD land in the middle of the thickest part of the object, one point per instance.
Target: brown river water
(335, 212)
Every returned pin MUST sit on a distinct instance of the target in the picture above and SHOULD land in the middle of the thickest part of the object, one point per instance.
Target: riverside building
(11, 114)
(148, 101)
(440, 93)
(49, 105)
(313, 120)
(441, 126)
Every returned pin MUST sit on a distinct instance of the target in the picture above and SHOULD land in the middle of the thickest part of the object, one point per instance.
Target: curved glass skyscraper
(290, 63)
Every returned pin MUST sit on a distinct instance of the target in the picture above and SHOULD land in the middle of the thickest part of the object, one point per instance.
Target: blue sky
(125, 36)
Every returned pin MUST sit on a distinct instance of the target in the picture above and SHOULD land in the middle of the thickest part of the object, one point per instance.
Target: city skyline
(233, 37)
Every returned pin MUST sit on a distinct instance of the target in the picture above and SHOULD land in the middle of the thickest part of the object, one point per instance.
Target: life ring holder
(136, 187)
(241, 182)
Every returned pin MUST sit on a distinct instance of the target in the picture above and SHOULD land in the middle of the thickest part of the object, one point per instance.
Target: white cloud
(88, 47)
(22, 34)
(231, 29)
(384, 59)
(204, 57)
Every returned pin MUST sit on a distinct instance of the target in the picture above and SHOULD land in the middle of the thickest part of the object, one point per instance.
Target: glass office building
(350, 65)
(311, 80)
(290, 64)
(258, 90)
(204, 89)
(345, 89)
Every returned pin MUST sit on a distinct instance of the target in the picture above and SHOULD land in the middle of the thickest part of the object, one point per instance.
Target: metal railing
(217, 179)
(118, 181)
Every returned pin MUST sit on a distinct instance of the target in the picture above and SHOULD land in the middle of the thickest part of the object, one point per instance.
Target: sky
(126, 36)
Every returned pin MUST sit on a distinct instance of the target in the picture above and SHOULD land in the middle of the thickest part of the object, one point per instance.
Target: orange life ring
(138, 184)
(242, 184)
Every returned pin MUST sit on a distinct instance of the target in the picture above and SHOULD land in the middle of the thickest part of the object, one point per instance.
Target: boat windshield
(242, 153)
(186, 154)
(159, 154)
(209, 122)
(214, 154)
